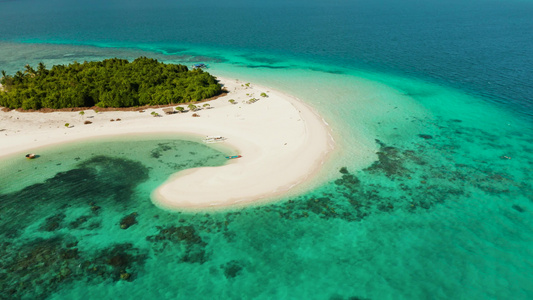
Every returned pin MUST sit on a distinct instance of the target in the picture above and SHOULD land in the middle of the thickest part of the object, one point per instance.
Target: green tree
(41, 69)
(29, 70)
(192, 107)
(180, 109)
(108, 83)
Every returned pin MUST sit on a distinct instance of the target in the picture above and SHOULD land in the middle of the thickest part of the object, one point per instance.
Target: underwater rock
(194, 251)
(390, 162)
(323, 207)
(161, 147)
(65, 272)
(113, 261)
(119, 260)
(425, 136)
(69, 253)
(518, 208)
(53, 223)
(78, 222)
(348, 180)
(195, 255)
(72, 244)
(177, 234)
(232, 269)
(128, 221)
(36, 269)
(125, 276)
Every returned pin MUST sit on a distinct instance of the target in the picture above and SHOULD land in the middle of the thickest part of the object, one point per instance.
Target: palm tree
(6, 81)
(29, 70)
(231, 101)
(82, 113)
(207, 105)
(192, 107)
(41, 69)
(18, 76)
(180, 109)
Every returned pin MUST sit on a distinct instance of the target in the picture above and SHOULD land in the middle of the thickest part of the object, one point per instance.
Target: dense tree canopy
(109, 83)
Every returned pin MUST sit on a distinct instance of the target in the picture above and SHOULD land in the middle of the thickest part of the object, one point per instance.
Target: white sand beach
(283, 143)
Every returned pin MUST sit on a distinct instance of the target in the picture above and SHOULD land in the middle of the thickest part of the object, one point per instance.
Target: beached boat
(233, 156)
(214, 139)
(199, 66)
(30, 156)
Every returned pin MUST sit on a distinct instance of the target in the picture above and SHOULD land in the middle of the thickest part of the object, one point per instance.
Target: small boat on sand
(214, 139)
(234, 156)
(30, 156)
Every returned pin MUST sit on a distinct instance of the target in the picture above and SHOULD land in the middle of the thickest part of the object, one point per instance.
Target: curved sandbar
(283, 143)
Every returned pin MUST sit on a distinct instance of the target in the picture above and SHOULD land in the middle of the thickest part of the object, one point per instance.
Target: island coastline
(283, 143)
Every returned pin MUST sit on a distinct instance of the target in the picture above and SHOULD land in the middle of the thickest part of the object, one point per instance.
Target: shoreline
(284, 144)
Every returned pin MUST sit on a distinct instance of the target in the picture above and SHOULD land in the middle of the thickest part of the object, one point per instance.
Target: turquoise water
(428, 197)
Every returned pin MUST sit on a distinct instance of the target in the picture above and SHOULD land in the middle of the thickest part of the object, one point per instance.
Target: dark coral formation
(53, 223)
(161, 147)
(194, 250)
(232, 269)
(425, 136)
(414, 178)
(118, 262)
(429, 173)
(36, 269)
(390, 161)
(128, 221)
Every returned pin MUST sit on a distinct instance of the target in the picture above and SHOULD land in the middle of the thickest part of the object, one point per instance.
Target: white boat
(214, 139)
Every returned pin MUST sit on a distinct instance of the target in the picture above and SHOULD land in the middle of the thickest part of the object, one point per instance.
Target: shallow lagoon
(427, 206)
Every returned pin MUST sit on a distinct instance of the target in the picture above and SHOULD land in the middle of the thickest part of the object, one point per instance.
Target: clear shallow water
(429, 206)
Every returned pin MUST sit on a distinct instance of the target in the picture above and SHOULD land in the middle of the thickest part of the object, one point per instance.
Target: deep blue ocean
(430, 196)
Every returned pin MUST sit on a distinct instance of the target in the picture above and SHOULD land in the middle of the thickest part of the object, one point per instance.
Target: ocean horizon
(429, 195)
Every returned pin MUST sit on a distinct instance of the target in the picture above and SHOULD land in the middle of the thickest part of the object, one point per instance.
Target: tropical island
(109, 83)
(281, 142)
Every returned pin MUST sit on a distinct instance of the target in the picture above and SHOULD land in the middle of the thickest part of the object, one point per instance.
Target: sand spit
(283, 143)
